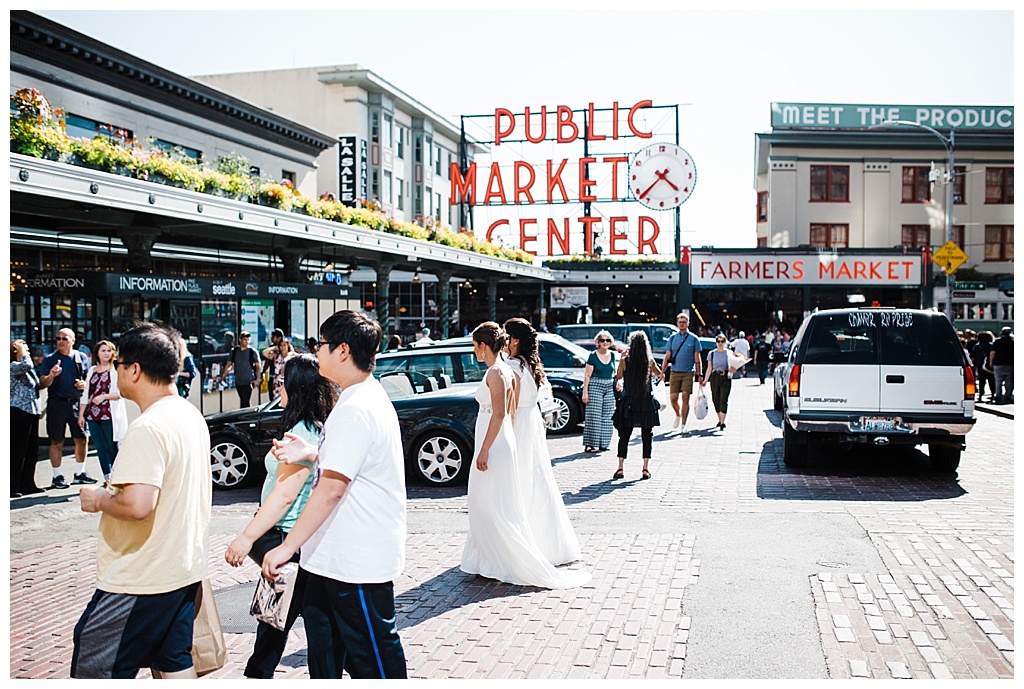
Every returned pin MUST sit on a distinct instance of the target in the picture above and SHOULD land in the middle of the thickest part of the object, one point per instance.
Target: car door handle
(894, 379)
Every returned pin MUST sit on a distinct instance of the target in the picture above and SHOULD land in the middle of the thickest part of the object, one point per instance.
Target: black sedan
(437, 436)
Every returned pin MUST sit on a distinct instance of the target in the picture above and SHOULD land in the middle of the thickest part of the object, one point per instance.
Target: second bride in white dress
(501, 543)
(545, 508)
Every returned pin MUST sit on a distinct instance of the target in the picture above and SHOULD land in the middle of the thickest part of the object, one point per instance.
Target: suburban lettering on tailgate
(831, 400)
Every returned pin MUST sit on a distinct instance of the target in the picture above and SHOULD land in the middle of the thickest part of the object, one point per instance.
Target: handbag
(660, 394)
(700, 405)
(209, 652)
(271, 601)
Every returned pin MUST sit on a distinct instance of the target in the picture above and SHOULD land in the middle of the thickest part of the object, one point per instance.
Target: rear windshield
(889, 337)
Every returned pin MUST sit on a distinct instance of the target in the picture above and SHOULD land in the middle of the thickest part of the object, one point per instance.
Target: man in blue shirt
(65, 393)
(682, 357)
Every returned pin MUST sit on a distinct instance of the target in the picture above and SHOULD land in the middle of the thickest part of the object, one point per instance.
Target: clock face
(662, 176)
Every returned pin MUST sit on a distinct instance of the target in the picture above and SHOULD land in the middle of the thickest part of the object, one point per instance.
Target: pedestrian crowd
(334, 500)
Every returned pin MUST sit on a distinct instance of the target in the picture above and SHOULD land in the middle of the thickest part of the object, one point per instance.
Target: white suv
(878, 376)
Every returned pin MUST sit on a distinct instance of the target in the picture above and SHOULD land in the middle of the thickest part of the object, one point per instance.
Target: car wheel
(794, 446)
(439, 458)
(231, 462)
(566, 416)
(944, 458)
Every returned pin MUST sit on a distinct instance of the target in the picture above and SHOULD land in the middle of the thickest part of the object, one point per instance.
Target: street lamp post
(949, 143)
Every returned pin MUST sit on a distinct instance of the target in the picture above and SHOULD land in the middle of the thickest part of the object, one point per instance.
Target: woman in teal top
(307, 398)
(599, 394)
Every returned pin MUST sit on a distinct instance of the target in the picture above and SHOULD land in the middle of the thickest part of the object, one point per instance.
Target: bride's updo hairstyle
(528, 352)
(490, 334)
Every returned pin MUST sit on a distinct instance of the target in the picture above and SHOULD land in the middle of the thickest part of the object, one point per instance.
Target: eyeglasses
(719, 339)
(321, 343)
(603, 339)
(63, 339)
(126, 364)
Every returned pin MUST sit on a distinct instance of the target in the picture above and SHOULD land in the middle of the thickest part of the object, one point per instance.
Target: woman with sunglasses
(599, 394)
(717, 371)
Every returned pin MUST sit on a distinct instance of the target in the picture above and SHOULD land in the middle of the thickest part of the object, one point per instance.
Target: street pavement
(726, 564)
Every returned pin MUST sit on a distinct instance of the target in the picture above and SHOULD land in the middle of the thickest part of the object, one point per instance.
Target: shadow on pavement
(596, 490)
(891, 474)
(450, 590)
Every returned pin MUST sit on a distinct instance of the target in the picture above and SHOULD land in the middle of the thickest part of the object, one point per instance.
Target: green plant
(276, 195)
(37, 129)
(104, 154)
(180, 172)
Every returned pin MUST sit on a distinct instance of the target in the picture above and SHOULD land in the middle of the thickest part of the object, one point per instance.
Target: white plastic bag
(660, 393)
(700, 405)
(271, 601)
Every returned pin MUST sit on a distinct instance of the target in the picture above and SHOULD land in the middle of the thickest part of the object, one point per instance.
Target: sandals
(590, 450)
(645, 475)
(618, 474)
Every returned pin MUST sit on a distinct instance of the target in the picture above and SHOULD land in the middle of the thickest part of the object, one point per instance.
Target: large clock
(661, 176)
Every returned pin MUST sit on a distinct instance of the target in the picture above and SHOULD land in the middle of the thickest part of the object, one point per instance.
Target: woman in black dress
(637, 406)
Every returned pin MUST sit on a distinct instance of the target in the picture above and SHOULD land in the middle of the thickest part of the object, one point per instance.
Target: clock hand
(648, 189)
(664, 176)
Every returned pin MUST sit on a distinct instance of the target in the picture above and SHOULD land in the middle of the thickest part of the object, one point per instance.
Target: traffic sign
(969, 285)
(949, 257)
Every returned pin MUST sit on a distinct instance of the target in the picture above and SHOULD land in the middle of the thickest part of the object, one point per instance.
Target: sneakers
(679, 420)
(83, 478)
(59, 483)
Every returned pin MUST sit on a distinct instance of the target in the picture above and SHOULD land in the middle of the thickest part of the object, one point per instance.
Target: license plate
(878, 423)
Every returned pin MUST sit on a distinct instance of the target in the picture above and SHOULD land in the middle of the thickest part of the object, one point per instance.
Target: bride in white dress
(501, 544)
(552, 529)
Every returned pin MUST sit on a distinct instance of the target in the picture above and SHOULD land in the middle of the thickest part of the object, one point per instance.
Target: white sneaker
(679, 419)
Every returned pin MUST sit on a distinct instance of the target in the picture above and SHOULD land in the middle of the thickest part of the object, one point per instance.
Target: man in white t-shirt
(154, 530)
(352, 530)
(741, 347)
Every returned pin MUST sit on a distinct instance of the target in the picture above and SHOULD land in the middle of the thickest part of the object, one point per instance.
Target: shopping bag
(271, 600)
(209, 652)
(700, 406)
(660, 394)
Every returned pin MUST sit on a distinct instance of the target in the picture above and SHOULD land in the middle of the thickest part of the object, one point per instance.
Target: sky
(723, 69)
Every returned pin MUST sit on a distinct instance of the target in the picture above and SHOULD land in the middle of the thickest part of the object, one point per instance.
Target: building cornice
(38, 38)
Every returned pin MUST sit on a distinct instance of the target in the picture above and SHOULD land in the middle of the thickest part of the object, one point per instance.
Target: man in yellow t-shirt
(154, 530)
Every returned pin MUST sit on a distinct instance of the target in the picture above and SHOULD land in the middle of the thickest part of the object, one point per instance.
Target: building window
(400, 143)
(437, 160)
(178, 149)
(762, 206)
(960, 185)
(385, 133)
(830, 183)
(417, 200)
(762, 242)
(437, 206)
(387, 188)
(374, 126)
(916, 236)
(999, 243)
(448, 172)
(998, 185)
(400, 193)
(417, 148)
(78, 126)
(288, 175)
(375, 185)
(430, 201)
(830, 236)
(917, 188)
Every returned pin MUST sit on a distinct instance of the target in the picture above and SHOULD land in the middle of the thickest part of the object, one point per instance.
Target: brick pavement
(941, 606)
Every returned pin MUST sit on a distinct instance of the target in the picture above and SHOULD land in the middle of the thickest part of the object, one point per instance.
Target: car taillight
(969, 389)
(794, 381)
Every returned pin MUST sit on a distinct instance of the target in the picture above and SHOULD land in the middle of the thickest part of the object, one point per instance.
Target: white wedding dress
(500, 544)
(549, 519)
